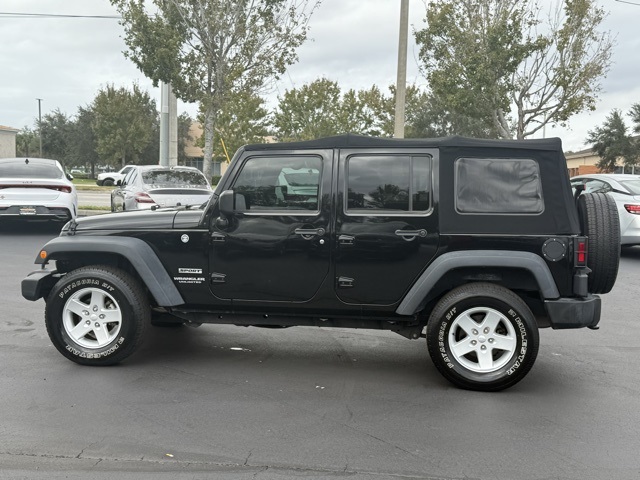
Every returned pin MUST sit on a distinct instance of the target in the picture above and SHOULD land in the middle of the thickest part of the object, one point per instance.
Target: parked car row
(38, 189)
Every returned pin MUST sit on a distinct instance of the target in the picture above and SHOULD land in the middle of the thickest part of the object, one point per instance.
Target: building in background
(195, 154)
(8, 141)
(582, 162)
(585, 162)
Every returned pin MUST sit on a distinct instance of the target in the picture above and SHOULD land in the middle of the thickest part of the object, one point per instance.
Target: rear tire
(599, 221)
(482, 337)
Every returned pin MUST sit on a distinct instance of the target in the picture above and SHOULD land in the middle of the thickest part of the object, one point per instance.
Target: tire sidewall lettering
(84, 283)
(88, 282)
(510, 313)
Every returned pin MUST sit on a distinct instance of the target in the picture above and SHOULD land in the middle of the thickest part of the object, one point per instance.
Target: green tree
(634, 113)
(28, 143)
(184, 125)
(82, 140)
(242, 120)
(208, 49)
(321, 109)
(501, 63)
(123, 123)
(611, 142)
(56, 132)
(311, 111)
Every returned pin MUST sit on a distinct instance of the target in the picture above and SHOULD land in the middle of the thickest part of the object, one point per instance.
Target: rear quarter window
(508, 186)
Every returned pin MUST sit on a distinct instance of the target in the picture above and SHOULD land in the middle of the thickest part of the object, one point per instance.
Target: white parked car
(149, 186)
(625, 190)
(36, 189)
(108, 179)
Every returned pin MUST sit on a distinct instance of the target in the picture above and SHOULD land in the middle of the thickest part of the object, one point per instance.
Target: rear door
(386, 229)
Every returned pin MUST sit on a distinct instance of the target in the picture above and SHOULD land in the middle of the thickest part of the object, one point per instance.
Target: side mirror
(226, 203)
(230, 204)
(69, 177)
(120, 183)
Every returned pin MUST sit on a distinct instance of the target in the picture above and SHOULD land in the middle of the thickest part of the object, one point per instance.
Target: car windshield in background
(633, 186)
(305, 179)
(173, 178)
(20, 169)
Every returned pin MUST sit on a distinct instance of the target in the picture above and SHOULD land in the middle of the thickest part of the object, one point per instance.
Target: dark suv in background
(475, 244)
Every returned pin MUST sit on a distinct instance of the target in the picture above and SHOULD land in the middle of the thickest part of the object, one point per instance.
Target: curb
(89, 213)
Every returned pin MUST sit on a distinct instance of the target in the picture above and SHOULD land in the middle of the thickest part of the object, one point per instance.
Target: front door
(277, 248)
(386, 229)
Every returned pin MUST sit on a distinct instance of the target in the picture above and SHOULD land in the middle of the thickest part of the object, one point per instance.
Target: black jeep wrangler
(474, 244)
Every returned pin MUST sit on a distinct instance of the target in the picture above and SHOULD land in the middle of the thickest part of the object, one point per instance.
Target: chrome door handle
(409, 235)
(346, 239)
(309, 233)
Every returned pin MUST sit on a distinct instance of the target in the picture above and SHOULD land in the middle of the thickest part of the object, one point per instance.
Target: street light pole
(40, 123)
(401, 83)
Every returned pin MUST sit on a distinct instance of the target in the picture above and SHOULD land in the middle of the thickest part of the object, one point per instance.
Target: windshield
(633, 186)
(174, 178)
(21, 169)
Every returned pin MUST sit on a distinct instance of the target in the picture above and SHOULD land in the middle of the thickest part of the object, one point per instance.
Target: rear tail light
(58, 188)
(143, 198)
(635, 209)
(580, 252)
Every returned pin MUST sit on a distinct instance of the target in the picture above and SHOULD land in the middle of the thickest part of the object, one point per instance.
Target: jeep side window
(498, 186)
(388, 183)
(280, 183)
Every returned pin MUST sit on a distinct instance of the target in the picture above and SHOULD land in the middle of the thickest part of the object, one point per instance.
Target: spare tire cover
(599, 221)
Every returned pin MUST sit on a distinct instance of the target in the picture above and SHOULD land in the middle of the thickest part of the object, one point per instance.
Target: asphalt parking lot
(234, 402)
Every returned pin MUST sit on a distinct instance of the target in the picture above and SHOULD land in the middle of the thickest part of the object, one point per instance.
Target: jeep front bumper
(574, 312)
(38, 284)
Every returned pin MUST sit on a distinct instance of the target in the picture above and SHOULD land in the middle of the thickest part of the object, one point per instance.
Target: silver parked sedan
(147, 186)
(36, 189)
(625, 190)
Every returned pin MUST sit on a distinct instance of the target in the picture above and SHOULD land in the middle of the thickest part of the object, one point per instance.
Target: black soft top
(559, 216)
(351, 140)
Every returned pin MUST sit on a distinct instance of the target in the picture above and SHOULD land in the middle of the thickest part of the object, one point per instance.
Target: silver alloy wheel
(92, 318)
(482, 340)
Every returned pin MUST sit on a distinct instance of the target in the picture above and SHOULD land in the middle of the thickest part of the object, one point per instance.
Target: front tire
(108, 182)
(97, 315)
(482, 337)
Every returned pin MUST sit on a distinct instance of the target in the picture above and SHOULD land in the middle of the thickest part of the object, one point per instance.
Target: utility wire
(52, 15)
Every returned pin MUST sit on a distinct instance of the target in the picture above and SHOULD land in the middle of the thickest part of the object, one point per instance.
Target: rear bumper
(574, 312)
(34, 213)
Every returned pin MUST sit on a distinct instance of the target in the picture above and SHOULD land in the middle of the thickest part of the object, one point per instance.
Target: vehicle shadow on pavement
(336, 356)
(8, 228)
(630, 252)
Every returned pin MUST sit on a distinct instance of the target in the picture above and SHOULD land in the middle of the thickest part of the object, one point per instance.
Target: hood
(134, 220)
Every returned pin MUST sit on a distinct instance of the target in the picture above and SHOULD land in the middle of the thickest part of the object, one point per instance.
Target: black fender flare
(136, 251)
(413, 300)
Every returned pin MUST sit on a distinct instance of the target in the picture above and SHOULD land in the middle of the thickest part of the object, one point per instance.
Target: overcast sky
(65, 61)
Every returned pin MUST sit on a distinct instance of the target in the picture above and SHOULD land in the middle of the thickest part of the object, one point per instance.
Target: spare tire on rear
(599, 221)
